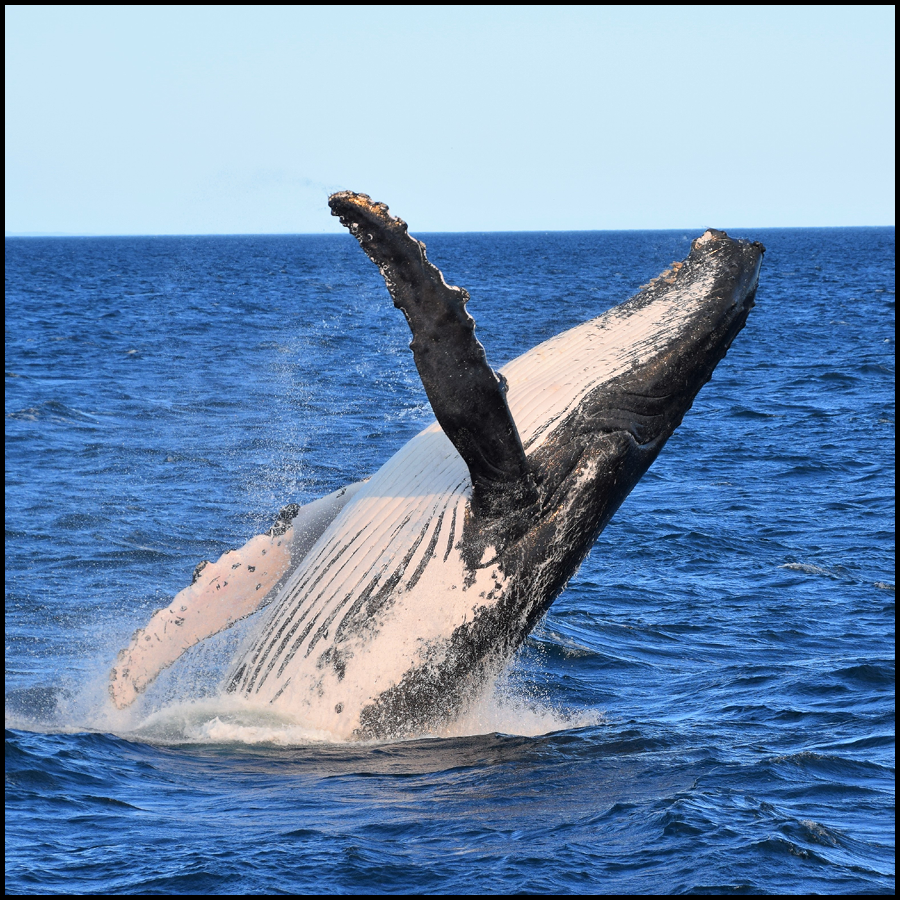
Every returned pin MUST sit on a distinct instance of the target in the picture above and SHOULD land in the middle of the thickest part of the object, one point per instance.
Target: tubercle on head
(714, 234)
(711, 234)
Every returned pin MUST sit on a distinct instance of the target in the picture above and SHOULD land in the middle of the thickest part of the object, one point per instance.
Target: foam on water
(225, 719)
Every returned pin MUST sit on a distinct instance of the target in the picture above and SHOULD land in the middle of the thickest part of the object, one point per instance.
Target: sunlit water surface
(709, 707)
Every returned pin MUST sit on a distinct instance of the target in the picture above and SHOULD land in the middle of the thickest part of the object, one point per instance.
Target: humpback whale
(385, 606)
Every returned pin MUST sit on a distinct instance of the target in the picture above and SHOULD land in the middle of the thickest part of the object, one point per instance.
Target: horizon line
(89, 234)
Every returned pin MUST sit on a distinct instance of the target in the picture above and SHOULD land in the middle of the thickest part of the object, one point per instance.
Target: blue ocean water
(708, 708)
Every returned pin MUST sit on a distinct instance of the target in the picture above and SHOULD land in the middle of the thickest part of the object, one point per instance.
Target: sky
(242, 119)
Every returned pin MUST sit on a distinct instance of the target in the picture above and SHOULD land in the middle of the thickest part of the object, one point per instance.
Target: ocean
(707, 708)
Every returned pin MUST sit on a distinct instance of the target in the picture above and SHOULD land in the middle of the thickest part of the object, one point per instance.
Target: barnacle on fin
(284, 519)
(198, 569)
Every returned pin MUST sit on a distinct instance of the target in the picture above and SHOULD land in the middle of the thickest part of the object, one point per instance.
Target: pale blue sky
(214, 119)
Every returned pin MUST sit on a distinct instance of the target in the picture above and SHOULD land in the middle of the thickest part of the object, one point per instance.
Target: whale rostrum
(390, 602)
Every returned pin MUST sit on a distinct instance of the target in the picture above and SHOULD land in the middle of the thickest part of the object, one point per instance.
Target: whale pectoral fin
(467, 396)
(222, 593)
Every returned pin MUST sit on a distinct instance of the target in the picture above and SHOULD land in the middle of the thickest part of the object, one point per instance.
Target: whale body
(390, 602)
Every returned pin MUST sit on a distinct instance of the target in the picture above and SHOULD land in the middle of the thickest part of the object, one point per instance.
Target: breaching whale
(389, 602)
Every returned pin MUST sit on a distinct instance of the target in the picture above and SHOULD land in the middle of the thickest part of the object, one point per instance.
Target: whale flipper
(223, 593)
(467, 396)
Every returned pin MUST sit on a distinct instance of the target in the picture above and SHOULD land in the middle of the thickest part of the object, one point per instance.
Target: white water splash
(224, 719)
